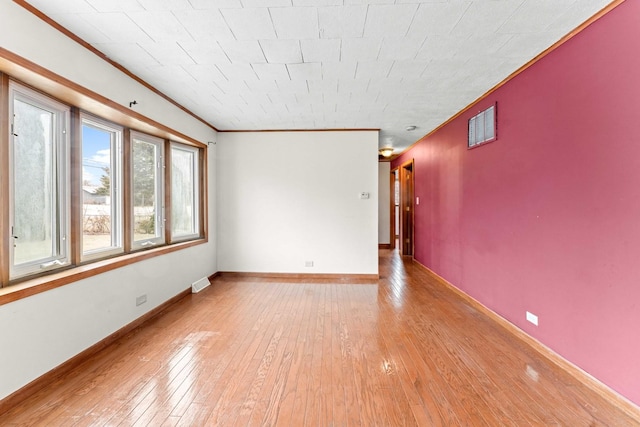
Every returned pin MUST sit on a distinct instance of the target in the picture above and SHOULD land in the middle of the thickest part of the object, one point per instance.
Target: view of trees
(182, 196)
(144, 173)
(105, 183)
(32, 150)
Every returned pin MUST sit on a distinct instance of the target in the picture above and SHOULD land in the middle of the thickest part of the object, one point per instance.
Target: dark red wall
(547, 218)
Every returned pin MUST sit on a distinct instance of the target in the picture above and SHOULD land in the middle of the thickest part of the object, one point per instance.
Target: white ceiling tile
(349, 2)
(69, 6)
(420, 61)
(261, 86)
(172, 75)
(249, 24)
(117, 26)
(167, 53)
(369, 101)
(115, 5)
(295, 22)
(215, 4)
(271, 71)
(317, 2)
(437, 18)
(339, 22)
(292, 86)
(243, 51)
(408, 69)
(402, 48)
(372, 69)
(157, 5)
(204, 73)
(339, 70)
(485, 17)
(204, 25)
(309, 98)
(534, 16)
(390, 88)
(161, 26)
(360, 85)
(237, 72)
(81, 27)
(440, 47)
(306, 71)
(266, 3)
(525, 46)
(389, 20)
(281, 51)
(282, 98)
(319, 50)
(579, 12)
(361, 49)
(124, 52)
(323, 86)
(256, 98)
(205, 53)
(483, 45)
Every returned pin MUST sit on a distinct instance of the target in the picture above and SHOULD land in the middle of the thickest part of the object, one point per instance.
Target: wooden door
(406, 208)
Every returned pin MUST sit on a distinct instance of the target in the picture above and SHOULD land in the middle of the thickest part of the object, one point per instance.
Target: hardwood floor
(401, 351)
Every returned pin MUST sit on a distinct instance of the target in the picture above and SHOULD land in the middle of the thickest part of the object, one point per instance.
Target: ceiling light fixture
(386, 152)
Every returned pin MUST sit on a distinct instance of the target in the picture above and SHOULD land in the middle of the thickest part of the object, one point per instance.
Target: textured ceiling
(322, 64)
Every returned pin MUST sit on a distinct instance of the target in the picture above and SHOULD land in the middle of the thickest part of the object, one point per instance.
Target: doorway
(406, 207)
(402, 208)
(394, 204)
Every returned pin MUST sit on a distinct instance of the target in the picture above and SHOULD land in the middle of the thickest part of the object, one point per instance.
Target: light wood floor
(401, 351)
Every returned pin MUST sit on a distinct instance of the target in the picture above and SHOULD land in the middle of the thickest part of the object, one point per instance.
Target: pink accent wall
(547, 218)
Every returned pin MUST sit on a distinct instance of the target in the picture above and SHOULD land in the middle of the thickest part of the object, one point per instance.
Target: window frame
(61, 181)
(159, 192)
(196, 190)
(473, 139)
(79, 99)
(116, 187)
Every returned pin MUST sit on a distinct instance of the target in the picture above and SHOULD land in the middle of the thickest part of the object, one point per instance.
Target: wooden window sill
(55, 280)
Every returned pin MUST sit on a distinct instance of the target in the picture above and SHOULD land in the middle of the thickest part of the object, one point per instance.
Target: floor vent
(199, 285)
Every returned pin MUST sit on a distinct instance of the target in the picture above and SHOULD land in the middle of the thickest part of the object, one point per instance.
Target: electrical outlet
(308, 263)
(532, 318)
(141, 300)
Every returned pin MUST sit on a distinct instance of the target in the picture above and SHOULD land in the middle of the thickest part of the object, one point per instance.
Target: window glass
(101, 188)
(184, 192)
(39, 160)
(147, 190)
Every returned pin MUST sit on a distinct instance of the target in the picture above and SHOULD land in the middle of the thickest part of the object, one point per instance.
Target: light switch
(364, 195)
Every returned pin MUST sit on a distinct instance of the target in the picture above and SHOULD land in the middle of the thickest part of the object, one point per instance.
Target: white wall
(384, 203)
(289, 197)
(42, 331)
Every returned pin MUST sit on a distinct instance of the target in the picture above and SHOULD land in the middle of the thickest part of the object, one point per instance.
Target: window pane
(472, 132)
(34, 207)
(101, 219)
(147, 198)
(184, 192)
(480, 127)
(489, 124)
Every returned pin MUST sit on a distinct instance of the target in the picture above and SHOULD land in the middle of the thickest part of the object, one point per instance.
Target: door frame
(392, 207)
(407, 193)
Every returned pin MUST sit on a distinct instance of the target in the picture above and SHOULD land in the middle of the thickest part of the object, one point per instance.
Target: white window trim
(62, 114)
(117, 208)
(160, 209)
(196, 193)
(480, 119)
